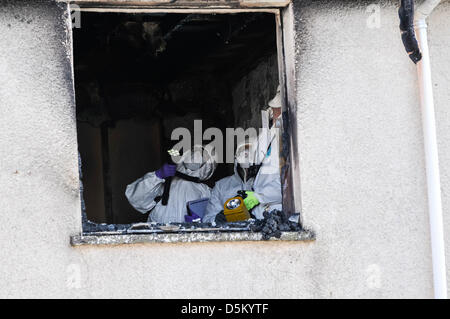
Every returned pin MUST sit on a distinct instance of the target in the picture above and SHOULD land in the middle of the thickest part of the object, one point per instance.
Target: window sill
(186, 237)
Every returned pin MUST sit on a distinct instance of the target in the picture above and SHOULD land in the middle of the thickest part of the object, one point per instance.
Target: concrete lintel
(86, 239)
(182, 3)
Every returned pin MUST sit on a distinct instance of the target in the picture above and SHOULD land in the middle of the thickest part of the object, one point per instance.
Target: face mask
(194, 162)
(243, 156)
(193, 166)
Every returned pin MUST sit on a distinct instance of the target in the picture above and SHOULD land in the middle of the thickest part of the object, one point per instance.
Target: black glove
(220, 218)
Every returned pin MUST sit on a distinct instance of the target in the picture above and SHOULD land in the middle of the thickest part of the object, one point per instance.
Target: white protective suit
(266, 185)
(142, 193)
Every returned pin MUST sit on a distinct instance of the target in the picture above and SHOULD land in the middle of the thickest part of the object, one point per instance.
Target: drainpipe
(431, 151)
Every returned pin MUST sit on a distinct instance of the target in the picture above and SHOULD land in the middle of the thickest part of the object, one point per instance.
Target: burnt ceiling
(118, 47)
(162, 65)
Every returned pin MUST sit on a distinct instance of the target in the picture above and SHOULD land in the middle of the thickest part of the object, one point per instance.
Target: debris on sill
(91, 227)
(155, 228)
(273, 224)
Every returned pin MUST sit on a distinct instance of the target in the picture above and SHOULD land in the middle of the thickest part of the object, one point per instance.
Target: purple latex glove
(190, 219)
(167, 170)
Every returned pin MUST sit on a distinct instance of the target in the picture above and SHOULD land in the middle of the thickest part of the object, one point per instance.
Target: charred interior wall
(253, 91)
(118, 149)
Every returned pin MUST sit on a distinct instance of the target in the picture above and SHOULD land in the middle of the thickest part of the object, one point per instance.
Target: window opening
(138, 77)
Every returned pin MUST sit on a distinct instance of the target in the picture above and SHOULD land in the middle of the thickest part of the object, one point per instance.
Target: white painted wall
(439, 37)
(362, 166)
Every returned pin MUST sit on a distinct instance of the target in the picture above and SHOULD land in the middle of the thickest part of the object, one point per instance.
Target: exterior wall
(439, 38)
(361, 154)
(361, 160)
(38, 167)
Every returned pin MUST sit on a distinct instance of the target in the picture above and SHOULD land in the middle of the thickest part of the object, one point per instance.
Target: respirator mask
(244, 155)
(195, 161)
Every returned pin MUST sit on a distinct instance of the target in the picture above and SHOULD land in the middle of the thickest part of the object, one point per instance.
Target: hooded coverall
(142, 193)
(266, 185)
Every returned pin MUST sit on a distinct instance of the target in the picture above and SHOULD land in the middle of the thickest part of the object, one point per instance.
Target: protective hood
(276, 101)
(250, 153)
(197, 163)
(246, 157)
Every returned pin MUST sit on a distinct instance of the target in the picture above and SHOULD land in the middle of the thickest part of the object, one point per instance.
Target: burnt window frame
(289, 157)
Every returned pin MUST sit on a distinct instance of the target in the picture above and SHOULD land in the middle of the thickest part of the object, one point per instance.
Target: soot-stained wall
(252, 92)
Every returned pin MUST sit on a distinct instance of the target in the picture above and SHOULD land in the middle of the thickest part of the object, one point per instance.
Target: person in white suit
(145, 193)
(256, 171)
